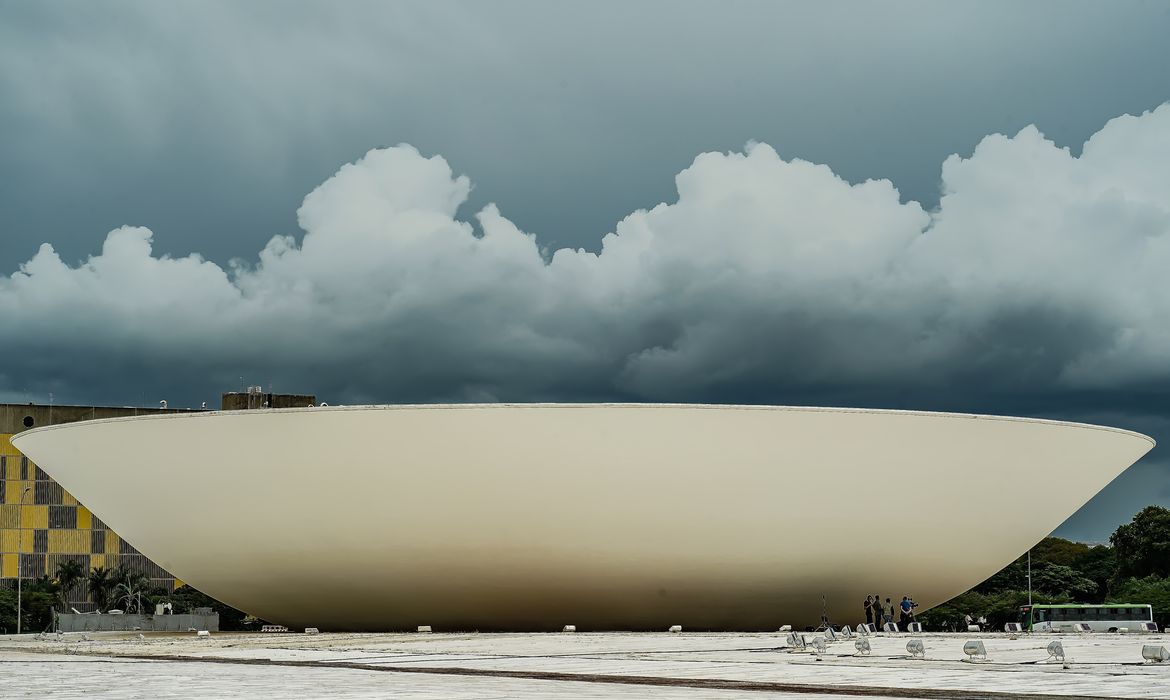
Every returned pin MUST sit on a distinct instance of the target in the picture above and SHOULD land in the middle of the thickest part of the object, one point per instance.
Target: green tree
(1097, 565)
(1143, 546)
(1047, 579)
(133, 592)
(38, 609)
(69, 574)
(1057, 550)
(100, 584)
(1062, 582)
(1152, 590)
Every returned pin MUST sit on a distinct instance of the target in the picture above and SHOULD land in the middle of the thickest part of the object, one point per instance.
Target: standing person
(904, 609)
(888, 611)
(868, 609)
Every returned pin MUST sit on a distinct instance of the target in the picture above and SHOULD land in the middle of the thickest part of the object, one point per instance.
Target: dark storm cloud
(1034, 285)
(207, 121)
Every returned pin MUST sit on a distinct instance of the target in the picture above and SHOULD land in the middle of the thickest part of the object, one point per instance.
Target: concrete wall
(145, 623)
(14, 416)
(239, 401)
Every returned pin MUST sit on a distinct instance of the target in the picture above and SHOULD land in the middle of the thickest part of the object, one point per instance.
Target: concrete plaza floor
(596, 665)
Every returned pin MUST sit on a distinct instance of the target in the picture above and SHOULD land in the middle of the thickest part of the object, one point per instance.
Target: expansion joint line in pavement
(704, 683)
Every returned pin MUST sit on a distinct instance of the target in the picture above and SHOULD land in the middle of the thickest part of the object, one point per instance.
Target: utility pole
(1029, 578)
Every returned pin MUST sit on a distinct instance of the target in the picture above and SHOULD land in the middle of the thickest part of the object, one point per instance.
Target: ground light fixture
(975, 648)
(1155, 653)
(916, 649)
(1056, 651)
(862, 645)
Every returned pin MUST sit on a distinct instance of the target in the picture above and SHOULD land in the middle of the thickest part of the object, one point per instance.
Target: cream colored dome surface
(603, 516)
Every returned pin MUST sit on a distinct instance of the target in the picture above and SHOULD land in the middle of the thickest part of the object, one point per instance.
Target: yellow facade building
(42, 524)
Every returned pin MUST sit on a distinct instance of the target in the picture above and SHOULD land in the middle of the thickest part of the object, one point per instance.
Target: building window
(63, 517)
(32, 565)
(48, 493)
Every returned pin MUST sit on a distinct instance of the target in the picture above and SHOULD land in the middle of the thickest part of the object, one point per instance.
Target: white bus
(1100, 617)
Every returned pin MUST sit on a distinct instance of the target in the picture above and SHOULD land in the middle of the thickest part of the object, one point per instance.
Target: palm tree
(100, 583)
(130, 591)
(69, 574)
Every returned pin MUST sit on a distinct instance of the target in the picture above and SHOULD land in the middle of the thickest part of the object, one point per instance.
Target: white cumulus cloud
(1040, 269)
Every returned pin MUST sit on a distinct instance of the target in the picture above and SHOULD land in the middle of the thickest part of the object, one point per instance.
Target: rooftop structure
(255, 397)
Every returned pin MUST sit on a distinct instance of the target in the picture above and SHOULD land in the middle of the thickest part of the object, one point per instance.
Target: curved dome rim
(589, 405)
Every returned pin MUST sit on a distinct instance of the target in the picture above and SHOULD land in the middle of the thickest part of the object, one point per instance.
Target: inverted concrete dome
(603, 516)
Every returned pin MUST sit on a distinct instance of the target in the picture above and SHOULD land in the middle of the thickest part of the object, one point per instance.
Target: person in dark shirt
(868, 609)
(906, 616)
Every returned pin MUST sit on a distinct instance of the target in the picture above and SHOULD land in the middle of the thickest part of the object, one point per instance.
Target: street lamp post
(19, 568)
(1029, 578)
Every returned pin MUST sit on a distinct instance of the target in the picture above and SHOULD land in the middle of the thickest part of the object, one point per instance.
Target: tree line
(121, 589)
(1134, 567)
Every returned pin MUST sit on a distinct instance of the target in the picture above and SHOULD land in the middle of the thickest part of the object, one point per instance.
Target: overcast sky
(906, 205)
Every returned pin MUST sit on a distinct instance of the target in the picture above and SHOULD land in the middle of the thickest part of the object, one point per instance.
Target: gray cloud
(209, 120)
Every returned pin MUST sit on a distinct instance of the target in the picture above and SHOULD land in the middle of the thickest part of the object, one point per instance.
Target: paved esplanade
(657, 665)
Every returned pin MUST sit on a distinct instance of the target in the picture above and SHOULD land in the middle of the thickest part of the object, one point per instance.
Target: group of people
(877, 612)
